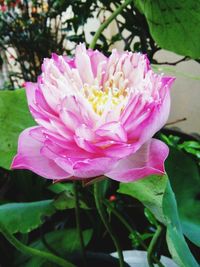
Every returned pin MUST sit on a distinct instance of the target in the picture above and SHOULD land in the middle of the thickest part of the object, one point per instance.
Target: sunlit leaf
(173, 24)
(14, 118)
(185, 180)
(24, 217)
(156, 194)
(61, 242)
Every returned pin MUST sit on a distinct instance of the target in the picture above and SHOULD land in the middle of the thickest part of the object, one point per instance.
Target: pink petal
(85, 132)
(111, 64)
(37, 133)
(130, 108)
(87, 145)
(50, 90)
(37, 103)
(75, 111)
(69, 119)
(30, 93)
(61, 129)
(42, 104)
(56, 81)
(34, 102)
(96, 58)
(112, 130)
(53, 151)
(93, 167)
(29, 157)
(83, 64)
(135, 68)
(148, 160)
(87, 168)
(119, 150)
(156, 115)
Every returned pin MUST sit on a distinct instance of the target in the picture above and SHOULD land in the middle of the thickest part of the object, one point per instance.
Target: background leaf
(14, 118)
(62, 242)
(158, 197)
(170, 24)
(67, 201)
(62, 187)
(65, 198)
(185, 179)
(175, 239)
(152, 189)
(24, 217)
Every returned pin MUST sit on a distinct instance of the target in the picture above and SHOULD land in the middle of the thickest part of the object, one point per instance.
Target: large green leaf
(14, 118)
(59, 188)
(24, 217)
(173, 24)
(149, 191)
(66, 197)
(156, 194)
(66, 201)
(175, 239)
(185, 179)
(62, 242)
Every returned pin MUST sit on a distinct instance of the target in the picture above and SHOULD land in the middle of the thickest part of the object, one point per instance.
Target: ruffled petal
(148, 160)
(112, 130)
(83, 64)
(97, 59)
(29, 157)
(38, 106)
(87, 168)
(74, 111)
(151, 117)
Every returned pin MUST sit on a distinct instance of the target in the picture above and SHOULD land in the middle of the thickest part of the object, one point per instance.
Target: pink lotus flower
(96, 116)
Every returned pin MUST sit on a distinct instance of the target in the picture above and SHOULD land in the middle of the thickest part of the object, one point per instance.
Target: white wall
(185, 93)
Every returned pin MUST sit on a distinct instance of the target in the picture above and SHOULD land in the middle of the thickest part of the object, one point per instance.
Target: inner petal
(105, 97)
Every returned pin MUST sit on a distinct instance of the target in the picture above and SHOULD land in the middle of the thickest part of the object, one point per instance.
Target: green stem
(78, 223)
(108, 21)
(103, 215)
(131, 230)
(152, 245)
(32, 251)
(126, 224)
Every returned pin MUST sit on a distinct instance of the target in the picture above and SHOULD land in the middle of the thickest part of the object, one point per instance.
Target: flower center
(106, 98)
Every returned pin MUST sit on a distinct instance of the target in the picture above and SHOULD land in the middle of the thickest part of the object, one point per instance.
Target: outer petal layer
(159, 114)
(29, 157)
(148, 160)
(96, 116)
(87, 168)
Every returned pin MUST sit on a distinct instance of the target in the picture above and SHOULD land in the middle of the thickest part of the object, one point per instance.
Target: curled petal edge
(29, 157)
(148, 160)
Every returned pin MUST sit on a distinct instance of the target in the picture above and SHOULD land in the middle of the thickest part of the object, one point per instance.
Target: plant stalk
(131, 230)
(107, 22)
(78, 223)
(126, 224)
(32, 251)
(152, 245)
(103, 216)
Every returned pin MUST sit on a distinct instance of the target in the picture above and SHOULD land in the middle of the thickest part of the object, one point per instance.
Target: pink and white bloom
(96, 115)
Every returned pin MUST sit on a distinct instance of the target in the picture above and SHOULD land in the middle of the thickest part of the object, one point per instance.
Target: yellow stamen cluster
(103, 98)
(111, 94)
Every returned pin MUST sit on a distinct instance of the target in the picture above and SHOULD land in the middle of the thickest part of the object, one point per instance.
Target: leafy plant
(43, 219)
(14, 117)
